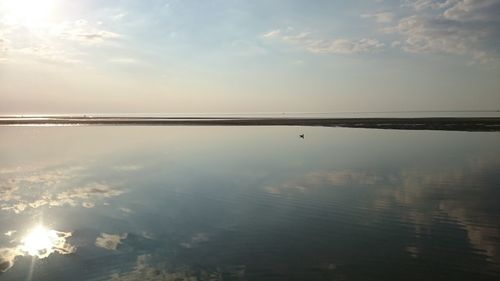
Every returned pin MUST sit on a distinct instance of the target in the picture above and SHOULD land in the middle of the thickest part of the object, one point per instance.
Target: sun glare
(28, 12)
(40, 242)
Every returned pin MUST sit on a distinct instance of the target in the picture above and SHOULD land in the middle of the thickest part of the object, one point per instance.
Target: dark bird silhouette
(301, 136)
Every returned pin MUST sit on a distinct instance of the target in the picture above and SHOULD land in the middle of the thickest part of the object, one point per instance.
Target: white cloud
(83, 32)
(396, 44)
(426, 4)
(461, 27)
(53, 42)
(380, 17)
(305, 41)
(3, 44)
(462, 10)
(91, 36)
(273, 34)
(126, 61)
(424, 36)
(3, 48)
(46, 53)
(119, 16)
(473, 10)
(346, 46)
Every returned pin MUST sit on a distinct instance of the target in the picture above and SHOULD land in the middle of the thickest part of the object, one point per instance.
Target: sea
(248, 203)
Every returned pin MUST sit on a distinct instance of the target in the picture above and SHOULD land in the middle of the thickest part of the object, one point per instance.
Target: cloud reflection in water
(144, 271)
(460, 195)
(50, 187)
(110, 241)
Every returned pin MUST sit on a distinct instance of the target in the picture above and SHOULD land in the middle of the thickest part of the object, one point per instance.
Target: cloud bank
(468, 28)
(56, 42)
(461, 27)
(340, 46)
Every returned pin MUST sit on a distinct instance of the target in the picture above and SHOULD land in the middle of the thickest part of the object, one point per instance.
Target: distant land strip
(472, 124)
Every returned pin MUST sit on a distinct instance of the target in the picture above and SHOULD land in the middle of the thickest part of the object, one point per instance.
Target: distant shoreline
(474, 124)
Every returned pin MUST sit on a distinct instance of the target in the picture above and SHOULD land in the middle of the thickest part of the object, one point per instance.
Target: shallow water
(248, 203)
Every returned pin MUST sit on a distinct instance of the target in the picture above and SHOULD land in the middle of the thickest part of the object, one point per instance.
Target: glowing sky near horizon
(157, 56)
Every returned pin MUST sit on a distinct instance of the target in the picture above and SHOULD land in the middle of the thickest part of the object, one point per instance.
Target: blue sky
(161, 56)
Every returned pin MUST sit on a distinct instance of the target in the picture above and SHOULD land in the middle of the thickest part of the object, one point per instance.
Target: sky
(231, 56)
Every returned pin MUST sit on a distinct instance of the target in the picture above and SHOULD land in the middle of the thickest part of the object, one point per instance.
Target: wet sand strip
(479, 124)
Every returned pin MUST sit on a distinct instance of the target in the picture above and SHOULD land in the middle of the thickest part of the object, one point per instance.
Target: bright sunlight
(41, 242)
(29, 13)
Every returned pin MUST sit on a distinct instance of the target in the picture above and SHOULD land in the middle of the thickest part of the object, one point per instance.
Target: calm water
(252, 203)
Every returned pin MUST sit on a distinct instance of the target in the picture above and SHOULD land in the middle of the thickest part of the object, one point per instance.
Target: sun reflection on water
(41, 242)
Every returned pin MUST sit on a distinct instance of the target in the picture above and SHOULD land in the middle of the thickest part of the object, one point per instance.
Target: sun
(29, 13)
(40, 242)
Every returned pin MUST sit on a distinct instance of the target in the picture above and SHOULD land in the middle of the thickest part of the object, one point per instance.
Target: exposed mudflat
(431, 123)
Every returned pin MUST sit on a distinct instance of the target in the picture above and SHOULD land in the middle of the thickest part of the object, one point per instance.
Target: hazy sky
(146, 56)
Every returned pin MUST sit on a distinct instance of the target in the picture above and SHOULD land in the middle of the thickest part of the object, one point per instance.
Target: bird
(301, 136)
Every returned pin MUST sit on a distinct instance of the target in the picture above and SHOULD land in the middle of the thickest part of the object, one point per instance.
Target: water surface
(248, 203)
